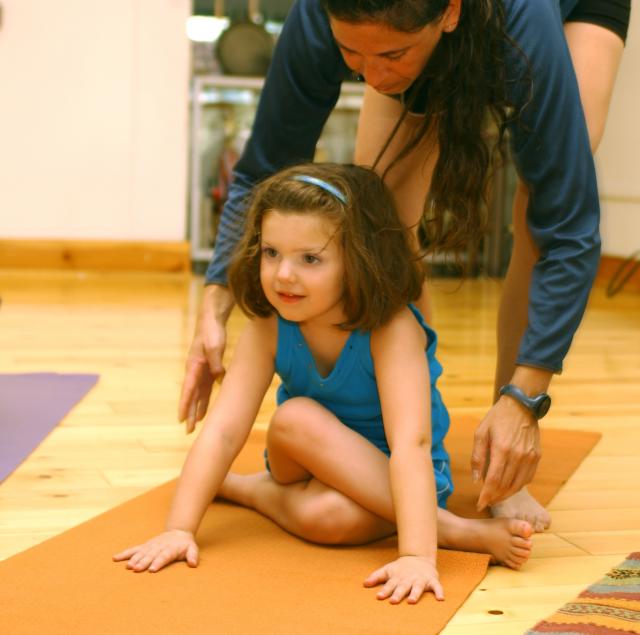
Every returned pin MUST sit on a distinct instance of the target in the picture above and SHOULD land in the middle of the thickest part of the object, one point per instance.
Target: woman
(545, 70)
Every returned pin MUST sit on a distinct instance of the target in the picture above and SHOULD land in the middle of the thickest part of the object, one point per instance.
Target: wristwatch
(538, 405)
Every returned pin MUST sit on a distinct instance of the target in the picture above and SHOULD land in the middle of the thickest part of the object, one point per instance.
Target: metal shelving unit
(222, 109)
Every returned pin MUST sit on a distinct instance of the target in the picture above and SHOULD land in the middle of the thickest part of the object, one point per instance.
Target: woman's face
(390, 60)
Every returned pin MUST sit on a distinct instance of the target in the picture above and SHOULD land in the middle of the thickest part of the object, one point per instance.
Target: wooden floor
(124, 439)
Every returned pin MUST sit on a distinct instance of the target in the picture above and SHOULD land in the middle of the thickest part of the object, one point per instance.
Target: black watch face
(543, 407)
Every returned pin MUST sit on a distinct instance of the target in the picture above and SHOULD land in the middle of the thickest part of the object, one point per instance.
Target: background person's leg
(596, 53)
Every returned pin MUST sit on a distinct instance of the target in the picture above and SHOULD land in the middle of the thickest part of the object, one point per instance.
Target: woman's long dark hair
(467, 92)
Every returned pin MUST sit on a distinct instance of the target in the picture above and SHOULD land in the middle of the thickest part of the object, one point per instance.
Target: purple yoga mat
(31, 405)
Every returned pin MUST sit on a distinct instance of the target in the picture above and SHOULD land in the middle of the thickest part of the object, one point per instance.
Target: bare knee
(328, 518)
(298, 423)
(293, 417)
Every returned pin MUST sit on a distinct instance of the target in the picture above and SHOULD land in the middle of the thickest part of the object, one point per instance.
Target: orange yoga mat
(252, 578)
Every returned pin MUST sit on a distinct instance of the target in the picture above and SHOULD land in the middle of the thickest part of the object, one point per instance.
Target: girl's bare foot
(523, 506)
(507, 540)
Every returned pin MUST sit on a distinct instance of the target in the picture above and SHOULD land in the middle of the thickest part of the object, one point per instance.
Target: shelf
(222, 110)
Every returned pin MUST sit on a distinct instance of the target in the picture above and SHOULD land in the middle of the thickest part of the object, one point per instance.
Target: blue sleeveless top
(350, 390)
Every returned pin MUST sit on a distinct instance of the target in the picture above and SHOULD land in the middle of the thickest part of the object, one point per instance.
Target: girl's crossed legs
(328, 484)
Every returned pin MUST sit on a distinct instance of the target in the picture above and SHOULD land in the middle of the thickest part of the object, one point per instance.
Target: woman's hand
(506, 451)
(160, 551)
(408, 576)
(204, 360)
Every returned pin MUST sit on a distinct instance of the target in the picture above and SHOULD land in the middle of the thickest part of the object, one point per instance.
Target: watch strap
(537, 405)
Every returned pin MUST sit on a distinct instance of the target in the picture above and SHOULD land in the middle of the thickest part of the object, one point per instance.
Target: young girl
(355, 449)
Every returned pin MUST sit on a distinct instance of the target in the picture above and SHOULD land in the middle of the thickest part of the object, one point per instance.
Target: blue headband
(327, 187)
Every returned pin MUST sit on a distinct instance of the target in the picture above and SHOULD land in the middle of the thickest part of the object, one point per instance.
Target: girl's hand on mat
(160, 551)
(506, 451)
(408, 576)
(204, 360)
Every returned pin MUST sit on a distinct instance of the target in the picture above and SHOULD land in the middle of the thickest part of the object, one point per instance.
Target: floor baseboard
(610, 265)
(96, 255)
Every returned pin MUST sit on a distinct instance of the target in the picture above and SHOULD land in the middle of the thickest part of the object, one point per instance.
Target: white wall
(618, 158)
(93, 119)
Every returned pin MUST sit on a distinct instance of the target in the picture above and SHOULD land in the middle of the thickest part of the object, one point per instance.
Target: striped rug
(611, 606)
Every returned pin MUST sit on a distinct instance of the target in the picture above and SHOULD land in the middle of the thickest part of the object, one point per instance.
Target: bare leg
(308, 509)
(318, 513)
(330, 485)
(512, 320)
(596, 54)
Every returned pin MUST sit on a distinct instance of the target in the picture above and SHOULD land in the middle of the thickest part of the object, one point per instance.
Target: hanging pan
(245, 47)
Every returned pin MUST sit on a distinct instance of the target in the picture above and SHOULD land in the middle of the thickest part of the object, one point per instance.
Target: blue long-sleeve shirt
(550, 147)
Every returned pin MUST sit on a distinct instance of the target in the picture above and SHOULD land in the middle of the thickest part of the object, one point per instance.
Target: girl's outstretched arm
(224, 433)
(402, 374)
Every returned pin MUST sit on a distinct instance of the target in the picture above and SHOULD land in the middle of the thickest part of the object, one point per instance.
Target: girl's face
(301, 267)
(388, 59)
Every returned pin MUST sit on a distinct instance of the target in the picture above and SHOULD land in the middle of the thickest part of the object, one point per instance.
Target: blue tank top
(350, 390)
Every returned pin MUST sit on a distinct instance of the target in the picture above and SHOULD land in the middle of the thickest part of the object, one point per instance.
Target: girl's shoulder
(266, 332)
(404, 326)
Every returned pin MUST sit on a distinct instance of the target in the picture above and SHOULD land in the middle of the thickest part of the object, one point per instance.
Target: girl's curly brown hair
(381, 274)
